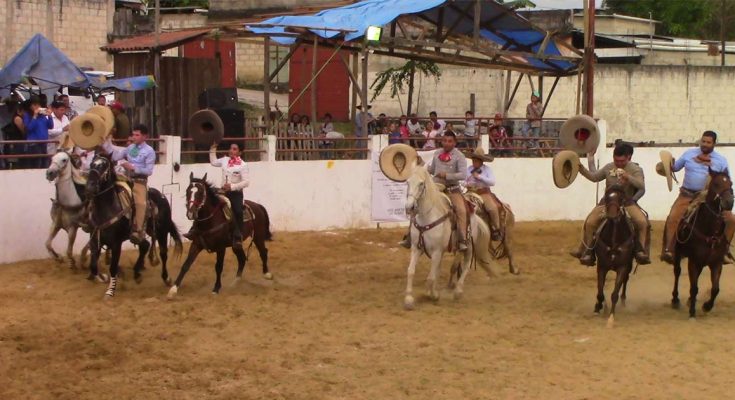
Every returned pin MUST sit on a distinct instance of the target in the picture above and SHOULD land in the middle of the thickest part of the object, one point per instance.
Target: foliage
(401, 76)
(697, 19)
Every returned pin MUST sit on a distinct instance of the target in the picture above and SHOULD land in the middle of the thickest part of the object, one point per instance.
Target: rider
(138, 160)
(696, 163)
(449, 168)
(480, 180)
(629, 175)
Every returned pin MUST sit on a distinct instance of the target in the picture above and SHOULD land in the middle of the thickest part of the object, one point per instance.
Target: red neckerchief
(234, 161)
(445, 157)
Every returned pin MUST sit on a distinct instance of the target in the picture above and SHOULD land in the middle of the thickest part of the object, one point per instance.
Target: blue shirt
(143, 157)
(394, 137)
(37, 128)
(695, 173)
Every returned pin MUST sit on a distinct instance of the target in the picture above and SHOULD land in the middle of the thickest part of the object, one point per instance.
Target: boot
(579, 252)
(643, 250)
(667, 257)
(495, 235)
(136, 237)
(729, 259)
(191, 234)
(236, 236)
(587, 258)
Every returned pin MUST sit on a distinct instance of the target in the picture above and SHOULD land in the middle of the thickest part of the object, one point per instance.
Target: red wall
(332, 85)
(206, 48)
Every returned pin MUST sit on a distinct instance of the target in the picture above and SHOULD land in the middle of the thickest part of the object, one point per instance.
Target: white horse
(431, 233)
(67, 210)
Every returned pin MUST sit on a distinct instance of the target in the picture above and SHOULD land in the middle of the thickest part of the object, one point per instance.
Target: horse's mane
(209, 187)
(433, 194)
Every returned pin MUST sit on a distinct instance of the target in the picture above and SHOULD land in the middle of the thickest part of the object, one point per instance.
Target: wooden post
(476, 28)
(506, 98)
(157, 71)
(364, 94)
(314, 61)
(267, 84)
(589, 60)
(355, 57)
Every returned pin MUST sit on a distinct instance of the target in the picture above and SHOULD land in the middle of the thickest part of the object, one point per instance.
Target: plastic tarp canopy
(45, 64)
(506, 28)
(131, 84)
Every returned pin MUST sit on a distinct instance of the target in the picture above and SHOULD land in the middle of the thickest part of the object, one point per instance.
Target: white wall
(319, 195)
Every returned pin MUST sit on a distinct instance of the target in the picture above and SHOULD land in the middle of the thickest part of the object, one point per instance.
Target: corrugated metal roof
(166, 40)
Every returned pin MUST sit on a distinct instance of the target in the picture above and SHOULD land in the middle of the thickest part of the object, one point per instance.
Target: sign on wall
(389, 198)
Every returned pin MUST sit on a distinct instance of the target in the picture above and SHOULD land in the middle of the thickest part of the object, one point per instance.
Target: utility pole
(722, 31)
(589, 57)
(157, 70)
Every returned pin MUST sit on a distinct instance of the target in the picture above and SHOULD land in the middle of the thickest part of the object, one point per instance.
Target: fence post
(485, 142)
(171, 148)
(270, 150)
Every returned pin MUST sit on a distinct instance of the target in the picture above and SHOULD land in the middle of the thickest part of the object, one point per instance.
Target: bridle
(194, 205)
(101, 176)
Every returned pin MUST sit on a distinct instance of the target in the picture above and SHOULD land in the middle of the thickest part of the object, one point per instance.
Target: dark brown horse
(614, 247)
(702, 240)
(110, 223)
(212, 232)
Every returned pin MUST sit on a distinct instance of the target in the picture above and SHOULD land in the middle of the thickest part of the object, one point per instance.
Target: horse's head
(196, 195)
(59, 163)
(719, 192)
(615, 199)
(101, 173)
(416, 188)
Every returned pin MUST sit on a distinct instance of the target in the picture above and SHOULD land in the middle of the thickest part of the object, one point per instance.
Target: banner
(389, 198)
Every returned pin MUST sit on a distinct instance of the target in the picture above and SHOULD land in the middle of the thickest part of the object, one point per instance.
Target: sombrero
(107, 116)
(88, 131)
(565, 168)
(479, 154)
(580, 134)
(206, 128)
(664, 167)
(65, 142)
(397, 161)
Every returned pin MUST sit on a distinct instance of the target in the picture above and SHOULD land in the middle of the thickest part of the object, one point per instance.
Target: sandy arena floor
(332, 326)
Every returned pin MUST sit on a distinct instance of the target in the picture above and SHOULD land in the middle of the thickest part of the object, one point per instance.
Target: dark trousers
(36, 162)
(236, 199)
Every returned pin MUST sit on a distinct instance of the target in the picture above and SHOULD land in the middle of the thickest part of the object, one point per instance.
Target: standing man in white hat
(696, 163)
(623, 172)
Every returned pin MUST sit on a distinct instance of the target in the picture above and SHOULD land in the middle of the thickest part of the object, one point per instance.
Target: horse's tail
(166, 218)
(481, 238)
(268, 233)
(173, 230)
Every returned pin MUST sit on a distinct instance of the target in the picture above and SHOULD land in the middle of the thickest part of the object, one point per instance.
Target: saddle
(503, 208)
(247, 212)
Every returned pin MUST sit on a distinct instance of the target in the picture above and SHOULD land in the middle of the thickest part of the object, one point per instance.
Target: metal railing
(293, 148)
(251, 149)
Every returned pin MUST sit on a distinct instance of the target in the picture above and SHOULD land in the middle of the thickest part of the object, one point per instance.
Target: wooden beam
(454, 25)
(267, 84)
(283, 62)
(314, 63)
(392, 30)
(544, 43)
(439, 28)
(551, 93)
(506, 97)
(364, 96)
(513, 95)
(351, 74)
(355, 89)
(404, 32)
(476, 24)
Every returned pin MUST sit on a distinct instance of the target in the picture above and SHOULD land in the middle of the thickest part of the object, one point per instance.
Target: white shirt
(236, 175)
(430, 144)
(470, 127)
(56, 132)
(414, 129)
(86, 156)
(485, 180)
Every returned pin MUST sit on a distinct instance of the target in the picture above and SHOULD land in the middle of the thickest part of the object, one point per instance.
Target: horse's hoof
(611, 321)
(707, 307)
(675, 304)
(513, 270)
(172, 292)
(458, 295)
(692, 318)
(138, 279)
(268, 276)
(451, 285)
(409, 303)
(215, 292)
(102, 278)
(108, 296)
(168, 282)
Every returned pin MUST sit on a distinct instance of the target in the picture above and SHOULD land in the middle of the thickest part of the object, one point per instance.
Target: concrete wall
(77, 27)
(182, 21)
(618, 26)
(682, 58)
(232, 8)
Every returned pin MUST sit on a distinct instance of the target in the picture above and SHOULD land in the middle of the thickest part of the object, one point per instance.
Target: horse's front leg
(218, 266)
(140, 262)
(94, 249)
(694, 271)
(55, 228)
(194, 251)
(72, 232)
(601, 275)
(715, 272)
(620, 278)
(433, 277)
(241, 260)
(408, 300)
(114, 269)
(465, 262)
(677, 273)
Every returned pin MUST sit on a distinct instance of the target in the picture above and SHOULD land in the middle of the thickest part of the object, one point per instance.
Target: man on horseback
(449, 168)
(138, 160)
(697, 164)
(480, 180)
(629, 175)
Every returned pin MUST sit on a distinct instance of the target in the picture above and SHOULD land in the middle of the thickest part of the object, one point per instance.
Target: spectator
(499, 135)
(61, 124)
(532, 128)
(430, 132)
(448, 128)
(36, 125)
(415, 129)
(327, 125)
(102, 100)
(403, 128)
(293, 125)
(435, 120)
(122, 130)
(13, 129)
(44, 101)
(394, 135)
(305, 126)
(470, 129)
(381, 124)
(362, 113)
(70, 112)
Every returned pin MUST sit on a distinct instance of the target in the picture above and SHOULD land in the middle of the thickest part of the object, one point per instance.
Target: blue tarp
(125, 84)
(507, 29)
(47, 65)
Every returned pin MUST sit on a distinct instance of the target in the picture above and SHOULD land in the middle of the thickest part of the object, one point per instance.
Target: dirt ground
(332, 326)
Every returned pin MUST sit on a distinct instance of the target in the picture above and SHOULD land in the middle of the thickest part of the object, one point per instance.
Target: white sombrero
(88, 131)
(107, 116)
(580, 134)
(479, 154)
(665, 167)
(565, 168)
(397, 161)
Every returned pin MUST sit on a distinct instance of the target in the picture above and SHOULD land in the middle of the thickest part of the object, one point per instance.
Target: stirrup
(667, 257)
(642, 258)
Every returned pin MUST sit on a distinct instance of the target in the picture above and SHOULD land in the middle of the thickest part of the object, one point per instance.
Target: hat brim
(565, 168)
(481, 157)
(574, 124)
(107, 116)
(397, 161)
(206, 128)
(87, 131)
(666, 162)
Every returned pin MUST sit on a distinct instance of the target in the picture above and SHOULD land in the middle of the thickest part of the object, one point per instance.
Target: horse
(701, 238)
(614, 248)
(212, 232)
(67, 209)
(431, 234)
(111, 222)
(504, 249)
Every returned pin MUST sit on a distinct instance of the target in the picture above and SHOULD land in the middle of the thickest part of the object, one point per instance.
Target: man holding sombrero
(696, 163)
(629, 175)
(480, 180)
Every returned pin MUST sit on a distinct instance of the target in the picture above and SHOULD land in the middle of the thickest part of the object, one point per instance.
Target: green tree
(402, 76)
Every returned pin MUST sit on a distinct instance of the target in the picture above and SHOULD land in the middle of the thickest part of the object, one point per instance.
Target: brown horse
(212, 231)
(614, 246)
(702, 240)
